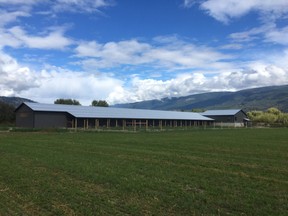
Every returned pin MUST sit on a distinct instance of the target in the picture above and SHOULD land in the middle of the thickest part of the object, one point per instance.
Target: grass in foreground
(201, 172)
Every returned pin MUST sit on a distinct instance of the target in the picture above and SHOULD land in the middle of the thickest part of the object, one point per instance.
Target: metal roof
(227, 112)
(110, 112)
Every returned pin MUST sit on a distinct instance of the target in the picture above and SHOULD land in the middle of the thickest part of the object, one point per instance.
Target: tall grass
(200, 172)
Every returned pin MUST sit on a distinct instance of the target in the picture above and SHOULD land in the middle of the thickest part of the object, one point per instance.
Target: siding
(50, 120)
(228, 116)
(25, 117)
(228, 119)
(240, 117)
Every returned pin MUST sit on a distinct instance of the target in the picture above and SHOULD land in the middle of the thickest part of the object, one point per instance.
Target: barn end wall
(240, 116)
(24, 117)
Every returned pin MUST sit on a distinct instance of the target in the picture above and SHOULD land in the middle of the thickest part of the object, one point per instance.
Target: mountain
(14, 101)
(249, 99)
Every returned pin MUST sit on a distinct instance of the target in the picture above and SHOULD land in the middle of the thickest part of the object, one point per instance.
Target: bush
(272, 116)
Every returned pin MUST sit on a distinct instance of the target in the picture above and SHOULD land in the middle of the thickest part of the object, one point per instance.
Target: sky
(126, 51)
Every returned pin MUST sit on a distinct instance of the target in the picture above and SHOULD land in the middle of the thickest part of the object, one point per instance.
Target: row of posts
(140, 123)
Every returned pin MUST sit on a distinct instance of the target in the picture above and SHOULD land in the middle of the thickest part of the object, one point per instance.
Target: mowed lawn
(196, 172)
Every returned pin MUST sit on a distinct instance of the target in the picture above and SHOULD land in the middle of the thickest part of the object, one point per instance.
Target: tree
(7, 114)
(283, 118)
(101, 103)
(274, 111)
(198, 110)
(255, 115)
(67, 101)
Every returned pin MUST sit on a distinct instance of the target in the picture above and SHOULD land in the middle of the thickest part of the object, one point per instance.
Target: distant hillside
(249, 99)
(14, 101)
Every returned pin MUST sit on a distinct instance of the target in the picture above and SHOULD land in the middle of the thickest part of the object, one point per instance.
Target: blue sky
(134, 50)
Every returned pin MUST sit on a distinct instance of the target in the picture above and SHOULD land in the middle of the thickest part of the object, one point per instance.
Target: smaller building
(228, 118)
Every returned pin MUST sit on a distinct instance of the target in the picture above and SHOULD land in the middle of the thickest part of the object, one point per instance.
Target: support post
(96, 126)
(123, 124)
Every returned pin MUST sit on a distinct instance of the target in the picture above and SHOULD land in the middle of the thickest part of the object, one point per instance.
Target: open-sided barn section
(37, 115)
(229, 117)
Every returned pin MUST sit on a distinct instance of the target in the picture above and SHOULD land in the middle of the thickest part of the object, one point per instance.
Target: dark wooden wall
(24, 117)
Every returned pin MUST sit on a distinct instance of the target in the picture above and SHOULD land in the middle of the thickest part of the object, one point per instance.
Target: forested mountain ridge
(249, 99)
(14, 101)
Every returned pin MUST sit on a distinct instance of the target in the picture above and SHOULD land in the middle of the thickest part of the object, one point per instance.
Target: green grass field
(196, 172)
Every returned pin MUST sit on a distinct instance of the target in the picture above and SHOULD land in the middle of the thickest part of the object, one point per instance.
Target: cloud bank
(192, 83)
(52, 83)
(133, 69)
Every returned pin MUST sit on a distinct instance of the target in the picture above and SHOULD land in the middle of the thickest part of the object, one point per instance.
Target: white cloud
(257, 75)
(52, 83)
(12, 10)
(17, 2)
(61, 5)
(189, 3)
(113, 53)
(80, 5)
(52, 40)
(14, 78)
(7, 17)
(176, 54)
(59, 83)
(232, 46)
(252, 34)
(279, 36)
(7, 40)
(267, 33)
(225, 10)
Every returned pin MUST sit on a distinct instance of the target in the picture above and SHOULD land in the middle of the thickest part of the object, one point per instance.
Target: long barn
(38, 115)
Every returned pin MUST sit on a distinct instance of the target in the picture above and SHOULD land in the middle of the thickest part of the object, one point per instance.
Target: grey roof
(227, 112)
(110, 112)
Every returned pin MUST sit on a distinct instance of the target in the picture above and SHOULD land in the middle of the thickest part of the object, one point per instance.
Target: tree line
(271, 116)
(101, 103)
(7, 115)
